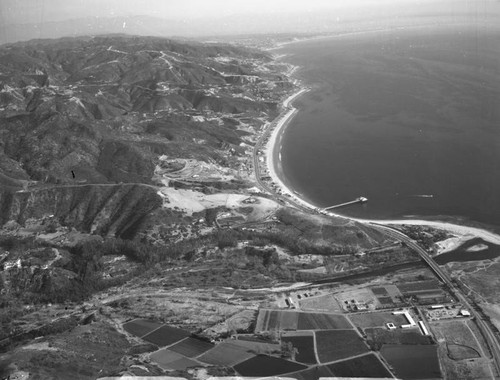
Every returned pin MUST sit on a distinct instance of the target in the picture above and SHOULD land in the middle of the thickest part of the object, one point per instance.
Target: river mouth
(404, 118)
(475, 249)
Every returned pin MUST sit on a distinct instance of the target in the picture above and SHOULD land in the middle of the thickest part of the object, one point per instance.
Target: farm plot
(317, 321)
(274, 320)
(191, 347)
(322, 303)
(312, 374)
(289, 320)
(267, 366)
(412, 361)
(376, 319)
(338, 344)
(304, 346)
(380, 291)
(140, 327)
(364, 366)
(459, 339)
(379, 336)
(419, 286)
(166, 335)
(226, 354)
(167, 359)
(257, 347)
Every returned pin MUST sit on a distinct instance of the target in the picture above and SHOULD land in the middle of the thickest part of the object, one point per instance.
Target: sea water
(409, 119)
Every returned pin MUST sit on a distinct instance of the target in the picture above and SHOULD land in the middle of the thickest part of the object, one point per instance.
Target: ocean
(409, 119)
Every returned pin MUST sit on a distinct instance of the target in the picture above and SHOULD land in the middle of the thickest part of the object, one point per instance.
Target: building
(423, 328)
(409, 318)
(465, 313)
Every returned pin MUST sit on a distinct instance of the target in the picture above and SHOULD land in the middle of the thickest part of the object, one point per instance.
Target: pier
(357, 200)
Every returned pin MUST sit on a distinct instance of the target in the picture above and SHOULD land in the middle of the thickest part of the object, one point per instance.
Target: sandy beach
(272, 151)
(273, 162)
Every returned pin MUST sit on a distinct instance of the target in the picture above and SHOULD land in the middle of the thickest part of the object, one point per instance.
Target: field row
(276, 320)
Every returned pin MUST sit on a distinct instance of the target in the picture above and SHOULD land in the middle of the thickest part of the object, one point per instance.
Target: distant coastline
(273, 163)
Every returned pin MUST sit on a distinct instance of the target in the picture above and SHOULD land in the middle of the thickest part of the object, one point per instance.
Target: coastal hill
(101, 110)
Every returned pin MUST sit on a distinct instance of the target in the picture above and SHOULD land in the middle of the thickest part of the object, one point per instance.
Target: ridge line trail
(90, 184)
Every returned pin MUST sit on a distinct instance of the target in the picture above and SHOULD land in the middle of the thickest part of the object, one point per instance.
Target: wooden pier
(357, 200)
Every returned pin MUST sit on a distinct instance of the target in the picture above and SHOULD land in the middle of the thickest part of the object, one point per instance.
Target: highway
(483, 326)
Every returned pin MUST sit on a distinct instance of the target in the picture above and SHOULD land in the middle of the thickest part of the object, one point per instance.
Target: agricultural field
(364, 366)
(338, 344)
(318, 321)
(377, 337)
(289, 320)
(275, 320)
(312, 373)
(257, 347)
(460, 342)
(380, 291)
(167, 359)
(304, 346)
(376, 319)
(322, 303)
(166, 335)
(418, 286)
(191, 347)
(226, 354)
(267, 366)
(412, 361)
(141, 327)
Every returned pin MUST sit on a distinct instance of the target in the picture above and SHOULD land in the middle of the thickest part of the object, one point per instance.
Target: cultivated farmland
(166, 335)
(167, 359)
(412, 361)
(317, 321)
(257, 347)
(191, 347)
(267, 366)
(312, 374)
(378, 319)
(364, 366)
(289, 320)
(140, 327)
(379, 336)
(226, 354)
(274, 320)
(304, 346)
(419, 286)
(338, 344)
(322, 303)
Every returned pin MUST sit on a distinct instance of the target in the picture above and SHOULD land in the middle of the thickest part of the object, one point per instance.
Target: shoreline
(272, 160)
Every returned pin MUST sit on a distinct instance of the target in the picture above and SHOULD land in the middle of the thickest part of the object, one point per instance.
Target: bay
(409, 119)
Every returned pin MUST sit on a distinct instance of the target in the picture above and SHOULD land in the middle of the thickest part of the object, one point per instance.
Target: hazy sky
(29, 11)
(212, 17)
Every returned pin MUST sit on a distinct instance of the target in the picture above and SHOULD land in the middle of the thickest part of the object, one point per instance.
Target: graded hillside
(107, 110)
(104, 107)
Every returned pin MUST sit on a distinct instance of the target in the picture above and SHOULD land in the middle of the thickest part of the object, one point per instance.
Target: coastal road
(485, 329)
